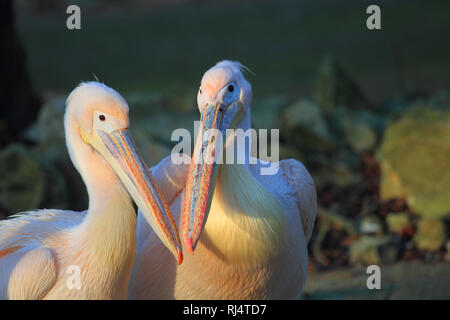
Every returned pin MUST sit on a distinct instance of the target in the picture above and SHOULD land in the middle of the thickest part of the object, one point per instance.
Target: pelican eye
(102, 117)
(231, 88)
(200, 90)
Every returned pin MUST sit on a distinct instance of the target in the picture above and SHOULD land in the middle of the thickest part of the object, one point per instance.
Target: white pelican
(253, 245)
(56, 254)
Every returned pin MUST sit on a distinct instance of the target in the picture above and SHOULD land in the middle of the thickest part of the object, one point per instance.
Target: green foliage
(334, 87)
(415, 160)
(22, 184)
(167, 51)
(430, 234)
(304, 126)
(398, 221)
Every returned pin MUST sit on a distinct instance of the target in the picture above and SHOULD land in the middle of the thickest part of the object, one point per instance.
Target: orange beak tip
(180, 257)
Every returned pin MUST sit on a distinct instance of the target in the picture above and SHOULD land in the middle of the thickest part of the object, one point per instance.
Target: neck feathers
(109, 226)
(108, 231)
(246, 222)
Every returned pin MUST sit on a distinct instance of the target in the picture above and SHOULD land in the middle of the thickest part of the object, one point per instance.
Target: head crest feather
(236, 65)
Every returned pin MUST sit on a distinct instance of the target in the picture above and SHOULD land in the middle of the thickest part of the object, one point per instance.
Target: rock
(430, 234)
(398, 222)
(373, 250)
(360, 128)
(370, 225)
(360, 137)
(415, 157)
(22, 183)
(304, 126)
(334, 87)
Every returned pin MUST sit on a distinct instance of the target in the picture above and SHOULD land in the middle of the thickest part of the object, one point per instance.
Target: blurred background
(367, 112)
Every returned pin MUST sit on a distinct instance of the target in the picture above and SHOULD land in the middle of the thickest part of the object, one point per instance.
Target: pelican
(57, 254)
(247, 232)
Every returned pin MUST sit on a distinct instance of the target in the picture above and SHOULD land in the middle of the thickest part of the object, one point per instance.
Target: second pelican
(249, 231)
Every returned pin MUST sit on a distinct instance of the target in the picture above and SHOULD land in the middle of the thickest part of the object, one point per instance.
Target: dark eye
(200, 90)
(231, 88)
(101, 117)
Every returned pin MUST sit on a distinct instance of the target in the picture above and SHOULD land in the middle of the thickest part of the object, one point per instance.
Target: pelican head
(96, 123)
(224, 101)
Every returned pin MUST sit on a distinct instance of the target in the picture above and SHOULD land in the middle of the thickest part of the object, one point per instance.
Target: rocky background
(380, 160)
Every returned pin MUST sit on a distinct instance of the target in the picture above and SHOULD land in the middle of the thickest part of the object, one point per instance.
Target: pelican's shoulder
(22, 229)
(302, 185)
(171, 174)
(292, 182)
(296, 175)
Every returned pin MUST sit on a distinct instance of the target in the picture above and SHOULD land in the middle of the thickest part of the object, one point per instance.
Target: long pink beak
(215, 120)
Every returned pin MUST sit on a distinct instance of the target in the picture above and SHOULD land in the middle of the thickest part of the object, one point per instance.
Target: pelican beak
(119, 150)
(215, 119)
